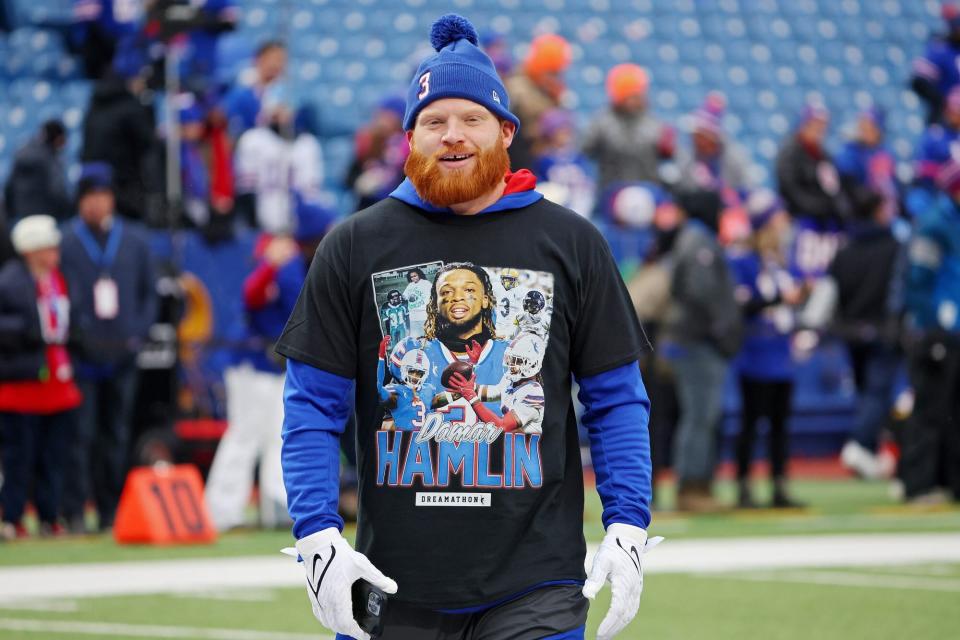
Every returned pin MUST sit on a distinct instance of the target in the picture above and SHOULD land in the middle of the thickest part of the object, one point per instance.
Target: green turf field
(905, 602)
(916, 601)
(836, 506)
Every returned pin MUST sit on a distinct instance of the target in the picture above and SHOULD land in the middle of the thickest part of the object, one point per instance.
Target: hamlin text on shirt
(404, 459)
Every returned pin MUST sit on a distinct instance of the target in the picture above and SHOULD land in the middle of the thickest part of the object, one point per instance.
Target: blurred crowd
(737, 279)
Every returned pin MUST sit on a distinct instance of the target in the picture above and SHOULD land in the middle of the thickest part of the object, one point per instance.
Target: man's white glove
(332, 567)
(619, 560)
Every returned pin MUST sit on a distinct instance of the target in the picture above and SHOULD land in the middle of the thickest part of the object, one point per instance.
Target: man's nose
(454, 133)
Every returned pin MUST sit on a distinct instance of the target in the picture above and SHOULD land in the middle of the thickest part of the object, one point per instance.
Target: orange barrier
(163, 505)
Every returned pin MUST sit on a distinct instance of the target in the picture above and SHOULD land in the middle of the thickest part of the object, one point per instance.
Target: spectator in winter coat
(931, 446)
(865, 164)
(38, 181)
(243, 102)
(701, 333)
(111, 278)
(932, 153)
(937, 71)
(380, 149)
(714, 162)
(535, 88)
(810, 187)
(38, 396)
(119, 130)
(768, 294)
(561, 166)
(626, 141)
(862, 296)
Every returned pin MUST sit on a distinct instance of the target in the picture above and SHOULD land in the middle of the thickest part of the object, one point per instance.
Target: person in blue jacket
(768, 294)
(937, 71)
(930, 455)
(110, 275)
(479, 527)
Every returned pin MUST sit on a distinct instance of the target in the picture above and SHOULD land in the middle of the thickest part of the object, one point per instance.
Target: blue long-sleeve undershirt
(317, 404)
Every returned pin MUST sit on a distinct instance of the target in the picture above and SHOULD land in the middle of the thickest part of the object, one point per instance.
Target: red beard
(446, 188)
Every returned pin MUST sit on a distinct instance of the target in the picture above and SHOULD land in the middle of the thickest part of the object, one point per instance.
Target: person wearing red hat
(472, 502)
(626, 141)
(534, 89)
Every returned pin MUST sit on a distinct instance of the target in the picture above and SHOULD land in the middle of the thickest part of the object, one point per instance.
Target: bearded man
(480, 527)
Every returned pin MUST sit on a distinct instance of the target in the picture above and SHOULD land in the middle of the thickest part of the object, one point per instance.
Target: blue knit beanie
(459, 69)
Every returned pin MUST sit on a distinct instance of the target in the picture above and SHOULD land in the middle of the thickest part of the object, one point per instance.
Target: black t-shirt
(462, 504)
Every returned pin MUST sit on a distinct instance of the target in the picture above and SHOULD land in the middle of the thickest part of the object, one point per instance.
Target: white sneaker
(861, 461)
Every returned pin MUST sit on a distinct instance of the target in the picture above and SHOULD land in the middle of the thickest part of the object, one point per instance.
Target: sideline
(101, 629)
(681, 556)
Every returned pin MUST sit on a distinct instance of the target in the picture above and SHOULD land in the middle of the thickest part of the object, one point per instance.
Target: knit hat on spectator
(876, 115)
(554, 120)
(548, 53)
(625, 81)
(313, 219)
(95, 176)
(459, 69)
(762, 205)
(33, 233)
(708, 119)
(813, 111)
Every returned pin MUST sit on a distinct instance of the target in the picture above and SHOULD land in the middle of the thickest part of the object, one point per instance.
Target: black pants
(558, 613)
(33, 450)
(97, 463)
(931, 441)
(770, 400)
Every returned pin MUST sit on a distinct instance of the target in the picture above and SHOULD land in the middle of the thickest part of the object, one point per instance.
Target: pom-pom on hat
(35, 232)
(708, 118)
(626, 80)
(459, 69)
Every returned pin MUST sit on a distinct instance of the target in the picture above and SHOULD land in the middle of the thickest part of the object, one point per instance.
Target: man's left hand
(619, 560)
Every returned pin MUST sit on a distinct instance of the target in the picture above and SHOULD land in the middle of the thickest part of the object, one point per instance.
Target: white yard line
(102, 629)
(680, 556)
(851, 579)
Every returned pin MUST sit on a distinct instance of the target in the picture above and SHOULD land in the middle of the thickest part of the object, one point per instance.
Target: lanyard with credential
(104, 258)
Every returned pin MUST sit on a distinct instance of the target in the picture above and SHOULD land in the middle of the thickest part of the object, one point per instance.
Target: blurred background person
(38, 396)
(243, 102)
(38, 180)
(649, 290)
(809, 184)
(702, 332)
(496, 46)
(254, 383)
(866, 165)
(110, 274)
(263, 162)
(932, 151)
(560, 167)
(99, 27)
(626, 141)
(714, 161)
(930, 459)
(937, 71)
(119, 129)
(534, 88)
(379, 151)
(768, 295)
(860, 300)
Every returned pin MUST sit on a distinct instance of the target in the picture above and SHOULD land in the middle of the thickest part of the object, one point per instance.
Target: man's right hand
(332, 567)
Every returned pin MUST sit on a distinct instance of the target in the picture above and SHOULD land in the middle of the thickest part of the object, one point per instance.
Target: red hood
(519, 181)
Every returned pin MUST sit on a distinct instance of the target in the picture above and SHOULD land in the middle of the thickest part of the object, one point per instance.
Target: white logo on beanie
(496, 96)
(425, 86)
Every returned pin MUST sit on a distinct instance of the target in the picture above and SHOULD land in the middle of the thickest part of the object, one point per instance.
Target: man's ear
(508, 130)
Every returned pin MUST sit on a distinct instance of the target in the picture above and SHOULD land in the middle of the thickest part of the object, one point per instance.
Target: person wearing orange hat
(535, 89)
(626, 141)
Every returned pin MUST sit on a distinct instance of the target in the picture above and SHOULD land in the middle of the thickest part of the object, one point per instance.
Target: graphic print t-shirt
(463, 503)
